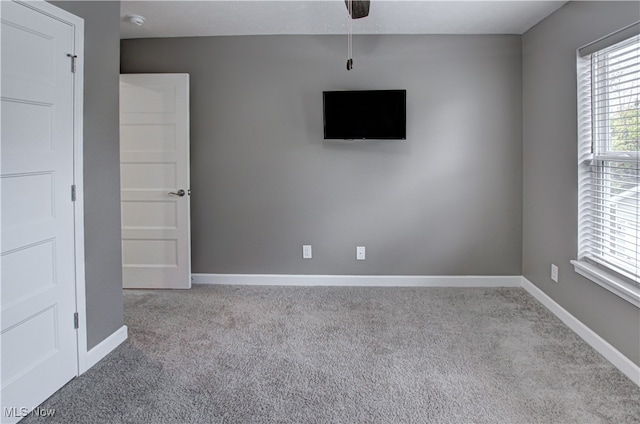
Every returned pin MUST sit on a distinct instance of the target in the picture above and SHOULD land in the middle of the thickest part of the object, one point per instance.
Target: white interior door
(154, 169)
(38, 336)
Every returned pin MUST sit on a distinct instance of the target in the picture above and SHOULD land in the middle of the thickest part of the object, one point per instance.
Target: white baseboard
(103, 348)
(359, 280)
(624, 364)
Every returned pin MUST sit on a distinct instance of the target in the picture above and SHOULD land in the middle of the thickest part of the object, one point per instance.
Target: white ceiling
(186, 18)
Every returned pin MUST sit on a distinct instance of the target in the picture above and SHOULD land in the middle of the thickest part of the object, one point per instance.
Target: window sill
(625, 290)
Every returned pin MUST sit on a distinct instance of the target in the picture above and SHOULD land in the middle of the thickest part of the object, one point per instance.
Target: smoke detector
(135, 19)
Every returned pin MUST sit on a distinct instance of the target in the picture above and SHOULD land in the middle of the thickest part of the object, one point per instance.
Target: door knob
(180, 193)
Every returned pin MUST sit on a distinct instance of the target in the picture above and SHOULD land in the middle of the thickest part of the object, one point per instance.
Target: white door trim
(78, 118)
(78, 180)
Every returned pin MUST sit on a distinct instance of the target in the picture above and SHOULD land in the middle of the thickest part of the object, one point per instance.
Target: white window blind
(609, 160)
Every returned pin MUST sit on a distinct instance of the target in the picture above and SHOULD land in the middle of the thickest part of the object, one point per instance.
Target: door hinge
(73, 61)
(76, 321)
(73, 192)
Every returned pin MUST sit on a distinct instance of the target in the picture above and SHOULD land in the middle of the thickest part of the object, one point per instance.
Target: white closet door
(39, 342)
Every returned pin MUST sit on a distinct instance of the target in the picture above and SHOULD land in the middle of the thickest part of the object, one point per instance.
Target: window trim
(609, 281)
(600, 274)
(609, 40)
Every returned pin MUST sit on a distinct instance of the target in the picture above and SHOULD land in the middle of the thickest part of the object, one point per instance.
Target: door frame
(77, 24)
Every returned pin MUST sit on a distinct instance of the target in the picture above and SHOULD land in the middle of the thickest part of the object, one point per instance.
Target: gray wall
(447, 201)
(550, 167)
(101, 166)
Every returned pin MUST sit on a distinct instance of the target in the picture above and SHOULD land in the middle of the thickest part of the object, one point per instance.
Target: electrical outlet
(306, 251)
(554, 273)
(360, 253)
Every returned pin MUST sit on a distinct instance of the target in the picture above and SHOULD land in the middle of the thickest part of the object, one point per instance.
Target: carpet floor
(250, 354)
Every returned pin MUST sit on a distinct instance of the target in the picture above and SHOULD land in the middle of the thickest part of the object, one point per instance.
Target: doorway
(154, 173)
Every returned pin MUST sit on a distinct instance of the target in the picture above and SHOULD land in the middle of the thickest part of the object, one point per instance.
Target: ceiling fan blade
(359, 8)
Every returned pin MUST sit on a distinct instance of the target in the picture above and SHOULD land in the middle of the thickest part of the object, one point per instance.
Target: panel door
(154, 169)
(38, 338)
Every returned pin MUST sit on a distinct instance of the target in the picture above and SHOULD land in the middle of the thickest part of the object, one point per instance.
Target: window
(609, 163)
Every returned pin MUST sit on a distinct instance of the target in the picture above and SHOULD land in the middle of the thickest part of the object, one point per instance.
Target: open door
(39, 335)
(154, 169)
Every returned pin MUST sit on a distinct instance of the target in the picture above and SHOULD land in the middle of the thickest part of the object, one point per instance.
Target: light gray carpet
(238, 354)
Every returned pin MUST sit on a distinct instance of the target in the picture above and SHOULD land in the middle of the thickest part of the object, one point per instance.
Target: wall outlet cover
(306, 251)
(360, 253)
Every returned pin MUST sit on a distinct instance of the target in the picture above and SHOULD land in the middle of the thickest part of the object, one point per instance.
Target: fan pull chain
(350, 37)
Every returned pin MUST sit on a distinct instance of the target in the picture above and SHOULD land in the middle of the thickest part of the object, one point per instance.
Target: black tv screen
(366, 114)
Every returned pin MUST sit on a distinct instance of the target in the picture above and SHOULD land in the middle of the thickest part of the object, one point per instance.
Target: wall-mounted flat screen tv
(365, 114)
